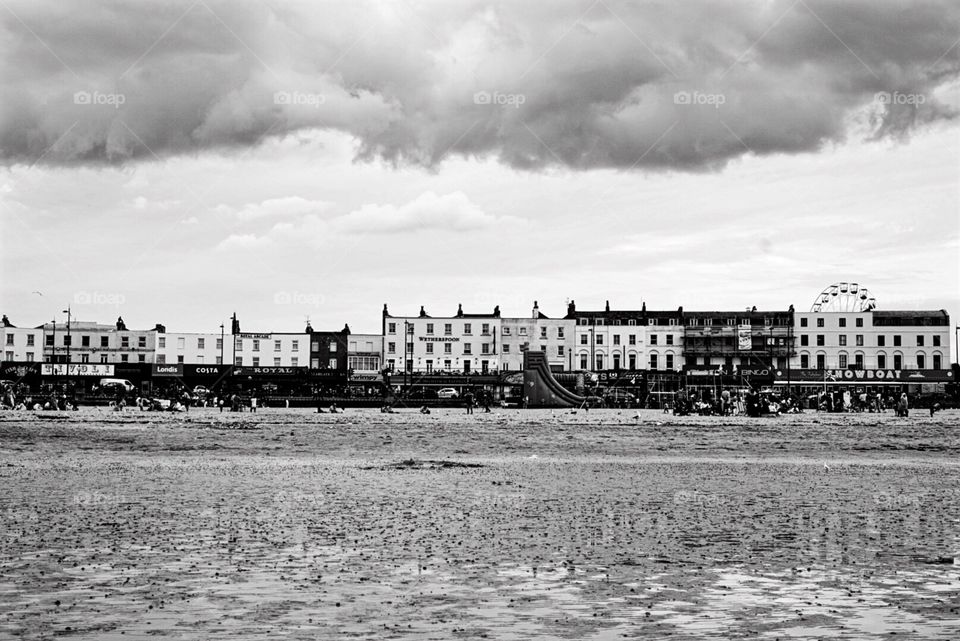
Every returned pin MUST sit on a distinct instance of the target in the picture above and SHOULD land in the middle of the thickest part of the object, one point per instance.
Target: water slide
(541, 388)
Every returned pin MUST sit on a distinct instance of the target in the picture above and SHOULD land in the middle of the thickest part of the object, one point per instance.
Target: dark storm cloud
(579, 84)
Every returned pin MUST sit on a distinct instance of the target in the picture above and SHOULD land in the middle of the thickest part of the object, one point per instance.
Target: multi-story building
(466, 343)
(734, 341)
(328, 350)
(271, 349)
(873, 340)
(21, 344)
(553, 336)
(192, 348)
(626, 339)
(364, 352)
(88, 342)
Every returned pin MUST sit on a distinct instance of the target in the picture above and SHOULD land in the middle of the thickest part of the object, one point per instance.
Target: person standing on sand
(468, 401)
(253, 404)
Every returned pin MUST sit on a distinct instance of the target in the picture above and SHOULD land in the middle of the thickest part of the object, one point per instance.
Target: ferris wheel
(844, 297)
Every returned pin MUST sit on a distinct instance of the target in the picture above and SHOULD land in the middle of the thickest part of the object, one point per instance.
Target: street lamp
(69, 318)
(221, 343)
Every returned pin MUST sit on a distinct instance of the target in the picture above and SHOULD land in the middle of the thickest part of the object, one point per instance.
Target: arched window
(937, 361)
(842, 360)
(921, 360)
(804, 360)
(881, 360)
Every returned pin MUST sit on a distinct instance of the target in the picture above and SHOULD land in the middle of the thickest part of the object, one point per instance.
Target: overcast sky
(175, 162)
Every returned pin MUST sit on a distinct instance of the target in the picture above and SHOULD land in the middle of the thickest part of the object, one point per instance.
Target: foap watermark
(98, 98)
(699, 98)
(94, 499)
(298, 98)
(896, 500)
(898, 98)
(698, 499)
(499, 99)
(298, 298)
(114, 299)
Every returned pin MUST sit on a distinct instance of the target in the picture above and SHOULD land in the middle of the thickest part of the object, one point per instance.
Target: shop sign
(77, 369)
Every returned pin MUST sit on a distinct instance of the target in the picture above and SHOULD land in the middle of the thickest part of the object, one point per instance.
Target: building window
(125, 342)
(238, 344)
(560, 350)
(937, 361)
(920, 340)
(162, 342)
(653, 339)
(881, 361)
(103, 358)
(936, 341)
(506, 331)
(819, 322)
(295, 346)
(632, 321)
(294, 361)
(582, 321)
(616, 339)
(256, 345)
(599, 359)
(804, 340)
(30, 357)
(485, 348)
(599, 339)
(142, 342)
(333, 346)
(391, 328)
(162, 359)
(896, 340)
(653, 361)
(68, 341)
(219, 344)
(820, 340)
(180, 358)
(583, 339)
(523, 331)
(10, 340)
(560, 333)
(467, 328)
(506, 348)
(821, 361)
(485, 329)
(391, 348)
(803, 322)
(429, 348)
(881, 341)
(843, 340)
(468, 348)
(859, 340)
(583, 361)
(201, 343)
(124, 358)
(669, 339)
(859, 322)
(429, 328)
(632, 339)
(447, 329)
(276, 346)
(921, 361)
(804, 361)
(898, 361)
(276, 361)
(843, 361)
(843, 322)
(30, 338)
(669, 359)
(256, 361)
(448, 348)
(543, 332)
(85, 341)
(238, 360)
(858, 361)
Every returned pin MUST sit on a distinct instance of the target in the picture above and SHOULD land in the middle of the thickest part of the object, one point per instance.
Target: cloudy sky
(175, 162)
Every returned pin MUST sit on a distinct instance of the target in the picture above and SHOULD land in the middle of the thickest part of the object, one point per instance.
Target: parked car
(447, 392)
(111, 384)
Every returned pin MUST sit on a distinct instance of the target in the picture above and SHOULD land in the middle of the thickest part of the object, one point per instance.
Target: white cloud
(241, 242)
(291, 206)
(449, 212)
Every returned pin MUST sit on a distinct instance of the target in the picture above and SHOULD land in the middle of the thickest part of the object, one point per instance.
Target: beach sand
(509, 525)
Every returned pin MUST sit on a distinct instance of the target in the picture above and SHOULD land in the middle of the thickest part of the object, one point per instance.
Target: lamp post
(221, 343)
(69, 318)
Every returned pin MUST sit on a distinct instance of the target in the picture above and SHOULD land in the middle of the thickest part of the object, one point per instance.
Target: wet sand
(510, 525)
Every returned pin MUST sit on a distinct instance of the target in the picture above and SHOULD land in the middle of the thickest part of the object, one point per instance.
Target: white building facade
(463, 343)
(192, 348)
(553, 336)
(872, 340)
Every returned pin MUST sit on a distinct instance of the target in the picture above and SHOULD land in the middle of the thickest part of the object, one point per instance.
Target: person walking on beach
(903, 408)
(253, 404)
(468, 401)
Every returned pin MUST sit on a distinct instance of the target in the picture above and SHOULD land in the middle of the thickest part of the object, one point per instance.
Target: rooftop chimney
(536, 310)
(459, 310)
